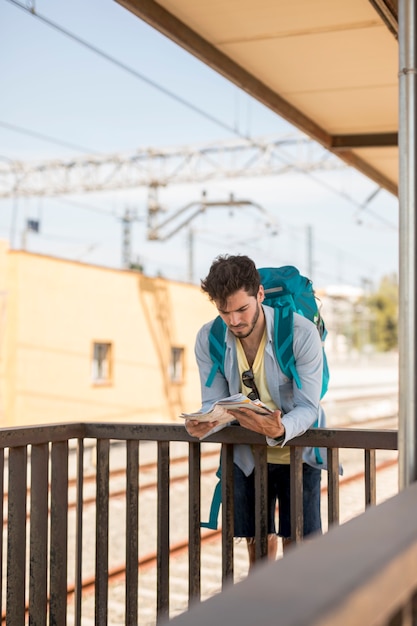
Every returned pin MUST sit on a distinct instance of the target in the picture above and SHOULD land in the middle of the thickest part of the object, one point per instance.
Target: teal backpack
(287, 291)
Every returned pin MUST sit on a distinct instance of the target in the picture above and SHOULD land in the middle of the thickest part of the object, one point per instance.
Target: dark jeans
(278, 491)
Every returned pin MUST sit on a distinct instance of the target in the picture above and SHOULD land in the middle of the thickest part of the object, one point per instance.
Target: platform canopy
(329, 67)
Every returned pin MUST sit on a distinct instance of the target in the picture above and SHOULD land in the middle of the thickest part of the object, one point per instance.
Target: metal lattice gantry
(158, 167)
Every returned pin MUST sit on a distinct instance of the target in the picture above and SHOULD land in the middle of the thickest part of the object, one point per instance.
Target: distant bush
(383, 307)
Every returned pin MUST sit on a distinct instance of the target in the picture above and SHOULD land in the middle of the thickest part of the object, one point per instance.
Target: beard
(248, 328)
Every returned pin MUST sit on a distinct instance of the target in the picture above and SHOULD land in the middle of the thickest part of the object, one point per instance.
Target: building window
(102, 365)
(177, 365)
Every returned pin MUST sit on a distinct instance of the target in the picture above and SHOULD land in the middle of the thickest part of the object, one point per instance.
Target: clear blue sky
(53, 86)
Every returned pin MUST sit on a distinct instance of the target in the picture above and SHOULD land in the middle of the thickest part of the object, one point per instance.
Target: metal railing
(362, 572)
(43, 465)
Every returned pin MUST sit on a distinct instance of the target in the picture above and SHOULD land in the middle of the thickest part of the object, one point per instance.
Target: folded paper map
(219, 411)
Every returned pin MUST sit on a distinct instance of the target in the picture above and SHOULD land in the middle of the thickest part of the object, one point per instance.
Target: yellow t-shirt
(274, 454)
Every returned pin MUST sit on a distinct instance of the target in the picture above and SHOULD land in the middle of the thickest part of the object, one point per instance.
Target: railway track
(209, 536)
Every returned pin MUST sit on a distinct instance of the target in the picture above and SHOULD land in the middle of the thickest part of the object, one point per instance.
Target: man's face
(241, 313)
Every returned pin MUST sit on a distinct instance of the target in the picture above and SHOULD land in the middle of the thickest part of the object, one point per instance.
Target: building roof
(329, 67)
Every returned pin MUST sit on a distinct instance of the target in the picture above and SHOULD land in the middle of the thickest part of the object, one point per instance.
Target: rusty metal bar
(261, 502)
(1, 526)
(79, 532)
(132, 529)
(102, 532)
(227, 512)
(38, 567)
(16, 537)
(32, 435)
(370, 477)
(194, 519)
(58, 556)
(333, 510)
(296, 490)
(316, 437)
(162, 584)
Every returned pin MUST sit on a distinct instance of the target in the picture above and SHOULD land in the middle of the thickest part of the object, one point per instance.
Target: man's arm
(219, 388)
(268, 424)
(308, 353)
(209, 395)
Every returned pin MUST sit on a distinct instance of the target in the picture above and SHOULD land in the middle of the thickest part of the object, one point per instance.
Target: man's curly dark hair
(229, 274)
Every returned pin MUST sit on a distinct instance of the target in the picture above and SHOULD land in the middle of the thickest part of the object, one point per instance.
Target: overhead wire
(232, 129)
(84, 205)
(59, 142)
(331, 249)
(130, 70)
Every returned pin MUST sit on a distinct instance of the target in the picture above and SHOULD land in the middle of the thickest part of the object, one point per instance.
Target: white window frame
(102, 362)
(176, 364)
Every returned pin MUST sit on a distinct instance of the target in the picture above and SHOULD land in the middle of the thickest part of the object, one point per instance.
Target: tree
(383, 305)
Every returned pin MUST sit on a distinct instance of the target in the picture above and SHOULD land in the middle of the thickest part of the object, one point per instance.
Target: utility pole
(191, 254)
(310, 252)
(127, 239)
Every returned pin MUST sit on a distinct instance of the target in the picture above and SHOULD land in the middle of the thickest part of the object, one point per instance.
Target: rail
(36, 463)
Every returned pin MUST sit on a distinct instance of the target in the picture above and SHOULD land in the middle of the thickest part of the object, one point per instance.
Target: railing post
(1, 525)
(370, 477)
(227, 512)
(261, 502)
(194, 519)
(132, 534)
(16, 537)
(296, 489)
(38, 578)
(79, 532)
(333, 512)
(162, 585)
(102, 531)
(59, 534)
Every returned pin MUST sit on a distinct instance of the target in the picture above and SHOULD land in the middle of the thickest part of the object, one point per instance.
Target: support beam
(408, 239)
(350, 142)
(159, 18)
(158, 167)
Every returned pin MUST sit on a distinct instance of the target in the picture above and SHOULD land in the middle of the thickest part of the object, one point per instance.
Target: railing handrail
(316, 437)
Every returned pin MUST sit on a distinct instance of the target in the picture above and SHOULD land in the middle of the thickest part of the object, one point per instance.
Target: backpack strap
(283, 339)
(217, 348)
(317, 454)
(326, 375)
(215, 504)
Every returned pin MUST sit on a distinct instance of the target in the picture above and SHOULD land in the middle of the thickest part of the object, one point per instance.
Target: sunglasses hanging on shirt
(248, 380)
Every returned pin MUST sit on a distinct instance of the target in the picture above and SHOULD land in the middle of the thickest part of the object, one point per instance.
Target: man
(233, 285)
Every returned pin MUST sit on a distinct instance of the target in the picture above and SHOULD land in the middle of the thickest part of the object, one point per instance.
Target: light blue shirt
(301, 407)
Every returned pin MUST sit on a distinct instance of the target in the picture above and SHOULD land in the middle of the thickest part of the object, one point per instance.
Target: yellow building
(81, 342)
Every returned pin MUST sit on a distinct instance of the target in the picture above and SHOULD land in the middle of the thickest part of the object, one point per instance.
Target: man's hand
(268, 424)
(195, 428)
